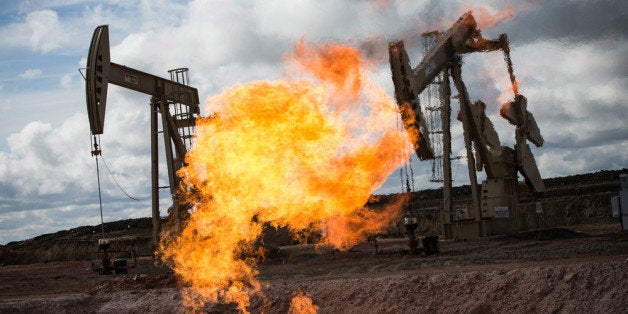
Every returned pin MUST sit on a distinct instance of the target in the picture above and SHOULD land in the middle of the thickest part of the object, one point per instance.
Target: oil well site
(272, 207)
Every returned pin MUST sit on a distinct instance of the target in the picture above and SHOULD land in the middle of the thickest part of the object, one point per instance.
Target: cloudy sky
(570, 58)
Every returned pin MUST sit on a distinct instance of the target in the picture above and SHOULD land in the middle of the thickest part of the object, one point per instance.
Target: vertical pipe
(165, 124)
(154, 168)
(446, 126)
(102, 221)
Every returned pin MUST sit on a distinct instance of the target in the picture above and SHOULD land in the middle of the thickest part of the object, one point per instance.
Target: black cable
(116, 181)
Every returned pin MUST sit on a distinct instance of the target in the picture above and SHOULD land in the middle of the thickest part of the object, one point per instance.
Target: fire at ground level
(581, 269)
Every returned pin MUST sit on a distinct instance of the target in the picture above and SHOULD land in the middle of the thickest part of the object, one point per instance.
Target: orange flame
(489, 16)
(486, 17)
(302, 304)
(290, 153)
(336, 65)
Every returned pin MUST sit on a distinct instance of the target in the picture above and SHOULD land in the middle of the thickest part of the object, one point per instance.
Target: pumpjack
(173, 99)
(494, 210)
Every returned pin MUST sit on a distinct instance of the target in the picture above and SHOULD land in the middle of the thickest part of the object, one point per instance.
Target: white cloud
(46, 32)
(40, 31)
(296, 18)
(43, 160)
(39, 27)
(66, 80)
(31, 74)
(33, 5)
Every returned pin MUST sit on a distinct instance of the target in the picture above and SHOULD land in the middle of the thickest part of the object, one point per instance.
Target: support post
(465, 113)
(446, 126)
(154, 168)
(165, 113)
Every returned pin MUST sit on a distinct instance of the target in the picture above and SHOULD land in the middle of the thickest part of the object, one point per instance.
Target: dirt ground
(584, 269)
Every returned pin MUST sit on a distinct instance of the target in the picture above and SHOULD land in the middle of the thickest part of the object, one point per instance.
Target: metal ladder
(183, 118)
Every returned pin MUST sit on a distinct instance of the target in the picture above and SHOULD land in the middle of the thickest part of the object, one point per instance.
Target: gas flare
(303, 153)
(488, 17)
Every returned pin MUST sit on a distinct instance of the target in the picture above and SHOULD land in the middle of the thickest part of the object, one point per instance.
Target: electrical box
(623, 181)
(500, 201)
(623, 209)
(497, 194)
(615, 205)
(623, 200)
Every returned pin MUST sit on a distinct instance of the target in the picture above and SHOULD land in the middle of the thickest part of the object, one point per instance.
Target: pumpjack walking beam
(101, 71)
(500, 163)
